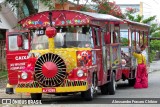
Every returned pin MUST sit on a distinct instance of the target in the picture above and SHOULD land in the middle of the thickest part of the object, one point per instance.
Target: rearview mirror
(19, 41)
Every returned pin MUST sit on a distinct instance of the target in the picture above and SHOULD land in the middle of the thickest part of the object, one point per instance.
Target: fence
(2, 55)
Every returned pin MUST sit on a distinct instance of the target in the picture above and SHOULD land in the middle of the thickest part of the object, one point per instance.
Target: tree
(18, 4)
(109, 8)
(104, 7)
(154, 29)
(131, 15)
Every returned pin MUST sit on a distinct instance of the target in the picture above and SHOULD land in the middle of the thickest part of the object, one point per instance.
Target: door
(17, 48)
(104, 52)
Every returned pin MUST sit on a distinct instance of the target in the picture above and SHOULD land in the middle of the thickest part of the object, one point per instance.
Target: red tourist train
(64, 52)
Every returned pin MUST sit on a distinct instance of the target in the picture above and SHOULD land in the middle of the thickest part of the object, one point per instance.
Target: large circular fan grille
(60, 75)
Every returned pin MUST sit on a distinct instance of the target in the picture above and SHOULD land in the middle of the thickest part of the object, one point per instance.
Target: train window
(124, 37)
(96, 36)
(73, 37)
(115, 37)
(18, 42)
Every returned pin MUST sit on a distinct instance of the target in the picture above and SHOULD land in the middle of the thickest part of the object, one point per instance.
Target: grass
(3, 74)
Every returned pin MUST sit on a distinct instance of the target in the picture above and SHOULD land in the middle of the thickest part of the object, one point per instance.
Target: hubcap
(92, 90)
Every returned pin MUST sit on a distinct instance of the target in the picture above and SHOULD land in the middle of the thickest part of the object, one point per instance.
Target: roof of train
(70, 17)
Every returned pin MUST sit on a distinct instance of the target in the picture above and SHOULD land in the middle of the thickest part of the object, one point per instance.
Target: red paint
(29, 79)
(125, 72)
(16, 60)
(51, 32)
(59, 18)
(49, 69)
(19, 41)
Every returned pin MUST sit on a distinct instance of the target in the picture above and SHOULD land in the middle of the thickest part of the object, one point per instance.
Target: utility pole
(77, 2)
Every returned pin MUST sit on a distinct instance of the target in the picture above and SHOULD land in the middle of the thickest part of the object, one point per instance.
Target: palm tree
(130, 14)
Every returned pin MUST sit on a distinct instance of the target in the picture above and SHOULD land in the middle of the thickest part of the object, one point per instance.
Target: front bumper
(67, 86)
(57, 89)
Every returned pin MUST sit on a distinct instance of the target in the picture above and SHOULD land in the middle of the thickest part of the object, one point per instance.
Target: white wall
(7, 19)
(42, 7)
(3, 22)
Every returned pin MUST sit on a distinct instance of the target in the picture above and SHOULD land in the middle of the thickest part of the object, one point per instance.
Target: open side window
(18, 41)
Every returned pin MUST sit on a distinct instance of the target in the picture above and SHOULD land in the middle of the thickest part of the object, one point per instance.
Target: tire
(131, 82)
(104, 90)
(89, 94)
(36, 96)
(112, 85)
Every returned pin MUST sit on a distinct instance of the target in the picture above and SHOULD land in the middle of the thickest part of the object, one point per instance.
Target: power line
(147, 4)
(155, 1)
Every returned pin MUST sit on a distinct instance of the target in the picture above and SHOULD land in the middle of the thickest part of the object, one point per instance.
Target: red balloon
(51, 32)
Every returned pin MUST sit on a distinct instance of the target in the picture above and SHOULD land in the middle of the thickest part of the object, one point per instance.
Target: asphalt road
(123, 91)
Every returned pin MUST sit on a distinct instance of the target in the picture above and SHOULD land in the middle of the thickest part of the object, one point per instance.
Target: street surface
(123, 91)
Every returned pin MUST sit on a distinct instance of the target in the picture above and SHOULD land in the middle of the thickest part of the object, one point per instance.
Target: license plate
(48, 90)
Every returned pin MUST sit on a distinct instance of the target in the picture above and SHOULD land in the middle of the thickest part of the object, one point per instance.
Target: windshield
(39, 41)
(65, 38)
(69, 40)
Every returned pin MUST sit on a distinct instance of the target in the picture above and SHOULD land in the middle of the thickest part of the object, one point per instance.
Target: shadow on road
(77, 99)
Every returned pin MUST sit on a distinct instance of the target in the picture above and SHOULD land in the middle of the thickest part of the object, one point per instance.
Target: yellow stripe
(58, 89)
(31, 90)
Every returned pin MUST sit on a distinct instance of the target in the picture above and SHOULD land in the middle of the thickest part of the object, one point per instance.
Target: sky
(150, 7)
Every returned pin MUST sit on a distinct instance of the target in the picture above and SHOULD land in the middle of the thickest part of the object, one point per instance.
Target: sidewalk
(154, 66)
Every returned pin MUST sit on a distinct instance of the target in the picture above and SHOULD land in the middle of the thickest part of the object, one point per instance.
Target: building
(138, 7)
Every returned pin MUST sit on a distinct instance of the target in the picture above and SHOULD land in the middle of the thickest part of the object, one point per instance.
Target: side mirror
(19, 41)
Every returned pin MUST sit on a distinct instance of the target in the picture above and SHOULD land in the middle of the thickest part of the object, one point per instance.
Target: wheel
(104, 89)
(111, 87)
(131, 82)
(36, 96)
(89, 94)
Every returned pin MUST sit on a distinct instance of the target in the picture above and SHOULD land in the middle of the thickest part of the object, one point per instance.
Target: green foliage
(138, 18)
(3, 74)
(155, 45)
(149, 19)
(154, 29)
(124, 41)
(152, 55)
(156, 34)
(49, 3)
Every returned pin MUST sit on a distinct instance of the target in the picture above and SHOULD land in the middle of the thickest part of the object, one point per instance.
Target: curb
(154, 70)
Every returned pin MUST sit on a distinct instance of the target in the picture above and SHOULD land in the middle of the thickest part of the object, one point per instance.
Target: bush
(154, 47)
(152, 55)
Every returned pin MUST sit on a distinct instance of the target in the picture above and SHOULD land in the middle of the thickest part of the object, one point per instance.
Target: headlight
(80, 73)
(24, 75)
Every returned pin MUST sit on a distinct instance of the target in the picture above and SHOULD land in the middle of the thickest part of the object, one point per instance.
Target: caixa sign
(21, 57)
